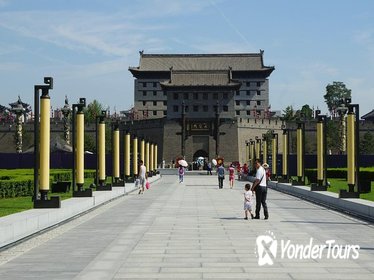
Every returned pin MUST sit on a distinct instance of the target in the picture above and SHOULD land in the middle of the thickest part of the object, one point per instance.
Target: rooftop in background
(369, 116)
(234, 62)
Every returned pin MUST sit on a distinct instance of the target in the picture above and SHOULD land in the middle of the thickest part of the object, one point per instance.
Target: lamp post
(18, 110)
(147, 156)
(353, 140)
(127, 156)
(135, 157)
(285, 169)
(151, 159)
(251, 153)
(321, 184)
(100, 153)
(300, 154)
(116, 180)
(78, 150)
(264, 148)
(65, 113)
(258, 147)
(42, 146)
(246, 151)
(155, 154)
(274, 152)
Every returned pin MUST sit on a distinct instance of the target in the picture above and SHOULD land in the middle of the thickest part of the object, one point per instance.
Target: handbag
(147, 185)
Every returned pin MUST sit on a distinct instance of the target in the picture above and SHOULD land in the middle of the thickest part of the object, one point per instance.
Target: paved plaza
(192, 231)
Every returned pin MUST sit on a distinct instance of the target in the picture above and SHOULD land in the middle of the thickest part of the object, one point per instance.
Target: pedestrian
(231, 175)
(181, 173)
(209, 168)
(260, 188)
(142, 176)
(221, 175)
(248, 201)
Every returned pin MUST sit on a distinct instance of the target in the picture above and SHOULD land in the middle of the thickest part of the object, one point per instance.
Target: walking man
(260, 187)
(221, 175)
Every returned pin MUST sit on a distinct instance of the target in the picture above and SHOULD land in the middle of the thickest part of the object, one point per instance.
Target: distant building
(238, 82)
(369, 116)
(197, 104)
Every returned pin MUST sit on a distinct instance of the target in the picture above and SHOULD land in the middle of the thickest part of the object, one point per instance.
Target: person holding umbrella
(182, 164)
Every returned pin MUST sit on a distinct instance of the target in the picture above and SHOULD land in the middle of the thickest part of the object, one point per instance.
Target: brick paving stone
(190, 231)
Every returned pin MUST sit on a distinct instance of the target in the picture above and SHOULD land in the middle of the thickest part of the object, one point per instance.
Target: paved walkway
(192, 231)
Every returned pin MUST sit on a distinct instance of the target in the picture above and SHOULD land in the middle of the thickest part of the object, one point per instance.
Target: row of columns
(321, 183)
(148, 151)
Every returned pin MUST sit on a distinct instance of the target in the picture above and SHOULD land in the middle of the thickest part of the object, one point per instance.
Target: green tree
(288, 114)
(307, 111)
(334, 140)
(89, 143)
(367, 144)
(92, 110)
(334, 94)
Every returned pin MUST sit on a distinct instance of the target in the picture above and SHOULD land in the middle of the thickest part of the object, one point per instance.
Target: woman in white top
(142, 176)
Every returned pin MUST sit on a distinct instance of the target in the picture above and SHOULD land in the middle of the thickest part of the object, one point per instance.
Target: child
(231, 176)
(181, 173)
(248, 198)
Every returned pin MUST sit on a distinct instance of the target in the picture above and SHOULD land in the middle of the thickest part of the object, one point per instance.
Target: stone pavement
(194, 231)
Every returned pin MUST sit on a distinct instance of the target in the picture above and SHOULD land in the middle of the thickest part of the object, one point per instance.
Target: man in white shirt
(260, 187)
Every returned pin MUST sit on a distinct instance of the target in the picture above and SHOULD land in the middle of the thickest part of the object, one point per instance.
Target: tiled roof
(238, 62)
(200, 78)
(369, 116)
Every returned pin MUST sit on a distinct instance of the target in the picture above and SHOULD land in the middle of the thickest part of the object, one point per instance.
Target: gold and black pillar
(300, 153)
(353, 164)
(246, 152)
(264, 149)
(274, 153)
(135, 156)
(127, 156)
(142, 150)
(321, 184)
(155, 155)
(147, 157)
(116, 174)
(151, 159)
(101, 168)
(285, 171)
(78, 150)
(42, 147)
(258, 148)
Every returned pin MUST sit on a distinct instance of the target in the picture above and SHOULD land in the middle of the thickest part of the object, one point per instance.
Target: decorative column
(151, 159)
(100, 144)
(127, 154)
(18, 110)
(42, 147)
(274, 152)
(155, 158)
(135, 157)
(65, 113)
(147, 156)
(300, 154)
(78, 150)
(116, 181)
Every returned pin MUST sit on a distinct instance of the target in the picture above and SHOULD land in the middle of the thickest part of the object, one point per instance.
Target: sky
(87, 46)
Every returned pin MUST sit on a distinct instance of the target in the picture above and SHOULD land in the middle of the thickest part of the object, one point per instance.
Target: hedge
(340, 173)
(23, 185)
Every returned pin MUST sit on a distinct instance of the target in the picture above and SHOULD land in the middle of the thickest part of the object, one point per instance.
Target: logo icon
(266, 248)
